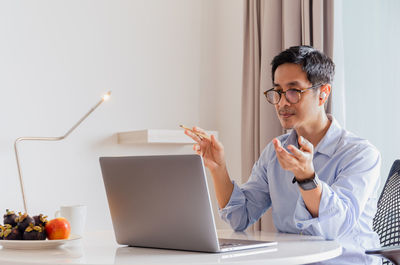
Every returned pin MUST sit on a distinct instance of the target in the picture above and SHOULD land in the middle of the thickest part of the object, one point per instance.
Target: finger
(277, 145)
(305, 144)
(287, 162)
(279, 148)
(218, 145)
(198, 129)
(282, 154)
(285, 156)
(193, 136)
(201, 131)
(196, 147)
(298, 154)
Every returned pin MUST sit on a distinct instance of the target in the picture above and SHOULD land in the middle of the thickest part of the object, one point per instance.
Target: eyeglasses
(292, 95)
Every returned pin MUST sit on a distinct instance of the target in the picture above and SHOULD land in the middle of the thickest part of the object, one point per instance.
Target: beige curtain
(271, 26)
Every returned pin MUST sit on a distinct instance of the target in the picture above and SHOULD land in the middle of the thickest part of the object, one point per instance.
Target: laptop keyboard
(229, 245)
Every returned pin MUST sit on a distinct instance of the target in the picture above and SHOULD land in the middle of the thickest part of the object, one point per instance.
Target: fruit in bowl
(40, 220)
(23, 221)
(58, 228)
(34, 232)
(10, 218)
(25, 227)
(11, 233)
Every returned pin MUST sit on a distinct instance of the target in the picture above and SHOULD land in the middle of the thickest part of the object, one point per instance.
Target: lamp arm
(46, 139)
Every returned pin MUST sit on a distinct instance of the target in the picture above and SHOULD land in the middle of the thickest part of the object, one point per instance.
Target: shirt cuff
(302, 217)
(237, 200)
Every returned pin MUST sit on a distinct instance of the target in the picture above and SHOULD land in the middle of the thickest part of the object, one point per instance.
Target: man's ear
(324, 93)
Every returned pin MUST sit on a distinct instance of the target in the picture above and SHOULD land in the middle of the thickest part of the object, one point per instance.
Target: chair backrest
(386, 222)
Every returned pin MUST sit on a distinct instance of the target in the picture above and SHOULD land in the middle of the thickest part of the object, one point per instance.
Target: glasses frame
(300, 91)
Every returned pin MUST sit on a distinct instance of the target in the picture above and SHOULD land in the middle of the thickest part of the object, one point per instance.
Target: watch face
(309, 185)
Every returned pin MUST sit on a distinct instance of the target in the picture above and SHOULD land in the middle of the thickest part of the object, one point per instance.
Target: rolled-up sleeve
(343, 202)
(251, 200)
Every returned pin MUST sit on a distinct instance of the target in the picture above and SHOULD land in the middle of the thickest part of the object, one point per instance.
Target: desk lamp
(104, 98)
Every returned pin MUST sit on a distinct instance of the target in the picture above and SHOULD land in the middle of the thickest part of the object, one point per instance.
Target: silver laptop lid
(160, 202)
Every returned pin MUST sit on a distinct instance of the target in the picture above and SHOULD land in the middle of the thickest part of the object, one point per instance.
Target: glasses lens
(272, 97)
(293, 96)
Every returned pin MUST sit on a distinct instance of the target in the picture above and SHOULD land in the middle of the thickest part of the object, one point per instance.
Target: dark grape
(9, 218)
(23, 221)
(12, 234)
(33, 232)
(40, 220)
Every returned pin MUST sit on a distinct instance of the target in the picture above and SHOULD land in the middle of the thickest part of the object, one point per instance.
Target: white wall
(220, 104)
(166, 62)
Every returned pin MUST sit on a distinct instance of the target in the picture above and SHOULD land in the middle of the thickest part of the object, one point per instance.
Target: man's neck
(316, 131)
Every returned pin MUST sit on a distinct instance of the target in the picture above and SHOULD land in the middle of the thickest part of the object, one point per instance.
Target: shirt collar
(328, 143)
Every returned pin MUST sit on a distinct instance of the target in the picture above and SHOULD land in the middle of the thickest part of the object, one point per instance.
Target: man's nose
(283, 101)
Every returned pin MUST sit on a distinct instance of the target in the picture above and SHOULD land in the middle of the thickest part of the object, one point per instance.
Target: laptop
(164, 202)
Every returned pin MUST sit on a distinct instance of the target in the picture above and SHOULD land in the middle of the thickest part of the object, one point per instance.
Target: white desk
(100, 248)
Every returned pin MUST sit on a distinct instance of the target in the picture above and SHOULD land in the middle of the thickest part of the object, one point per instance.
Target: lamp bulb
(107, 96)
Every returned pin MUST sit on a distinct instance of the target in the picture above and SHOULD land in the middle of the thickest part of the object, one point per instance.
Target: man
(319, 179)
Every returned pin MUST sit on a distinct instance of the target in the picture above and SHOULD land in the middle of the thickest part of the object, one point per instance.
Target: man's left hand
(299, 161)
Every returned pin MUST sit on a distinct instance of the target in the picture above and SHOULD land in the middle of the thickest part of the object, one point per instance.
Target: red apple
(58, 228)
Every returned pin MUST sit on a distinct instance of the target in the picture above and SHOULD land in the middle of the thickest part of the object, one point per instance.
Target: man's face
(303, 113)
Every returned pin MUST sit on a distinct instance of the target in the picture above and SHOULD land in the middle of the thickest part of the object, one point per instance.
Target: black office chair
(387, 218)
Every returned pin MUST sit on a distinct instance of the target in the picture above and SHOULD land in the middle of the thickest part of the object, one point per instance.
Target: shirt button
(299, 225)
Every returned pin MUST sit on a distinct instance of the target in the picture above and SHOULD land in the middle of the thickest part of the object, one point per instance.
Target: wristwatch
(307, 184)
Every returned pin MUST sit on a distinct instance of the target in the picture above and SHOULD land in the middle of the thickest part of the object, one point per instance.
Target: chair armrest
(391, 253)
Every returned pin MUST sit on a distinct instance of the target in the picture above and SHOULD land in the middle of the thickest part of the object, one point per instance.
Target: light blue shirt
(348, 168)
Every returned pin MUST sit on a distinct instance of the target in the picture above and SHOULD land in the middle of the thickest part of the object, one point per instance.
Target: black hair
(319, 68)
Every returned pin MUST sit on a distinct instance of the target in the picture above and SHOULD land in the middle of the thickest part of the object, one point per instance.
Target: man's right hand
(211, 150)
(213, 155)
